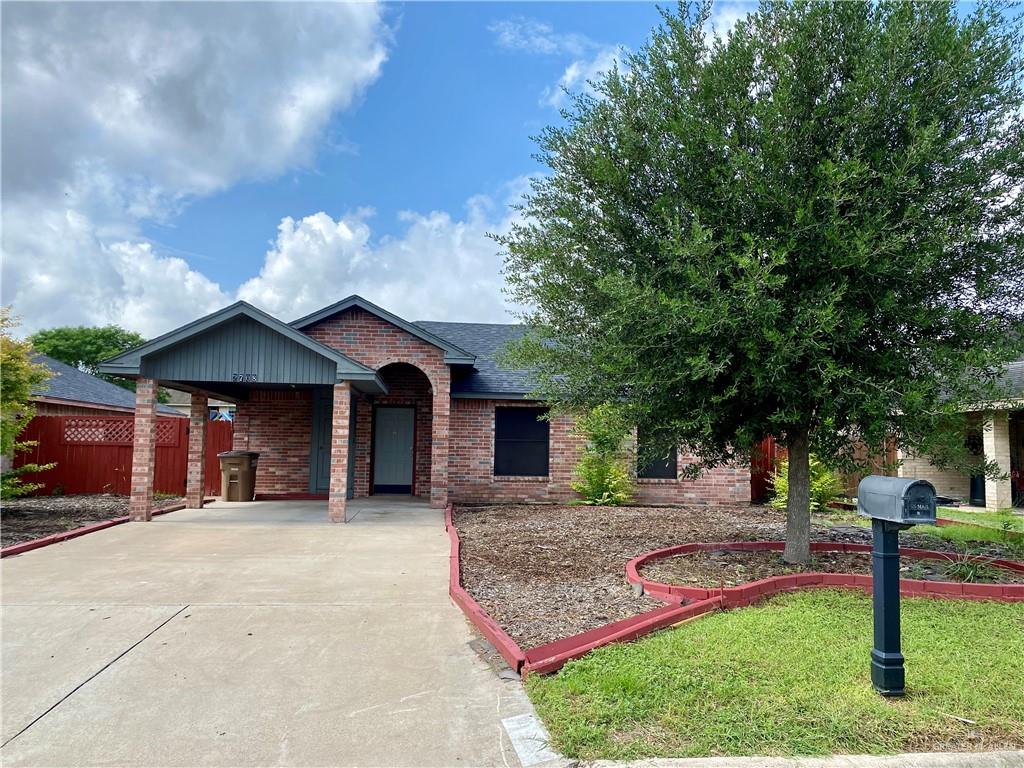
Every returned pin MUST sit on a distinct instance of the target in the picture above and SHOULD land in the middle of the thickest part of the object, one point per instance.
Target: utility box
(238, 475)
(899, 500)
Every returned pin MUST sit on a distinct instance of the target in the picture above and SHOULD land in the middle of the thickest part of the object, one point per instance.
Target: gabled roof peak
(452, 354)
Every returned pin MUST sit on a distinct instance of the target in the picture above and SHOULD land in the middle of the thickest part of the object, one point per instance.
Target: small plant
(163, 495)
(826, 485)
(970, 569)
(603, 476)
(11, 484)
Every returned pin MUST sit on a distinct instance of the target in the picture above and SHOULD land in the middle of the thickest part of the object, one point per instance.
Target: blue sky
(162, 160)
(450, 117)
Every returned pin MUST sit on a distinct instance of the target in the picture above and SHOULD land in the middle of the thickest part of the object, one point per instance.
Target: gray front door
(393, 449)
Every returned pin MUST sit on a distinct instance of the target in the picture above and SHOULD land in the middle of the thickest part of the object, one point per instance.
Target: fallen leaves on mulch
(545, 572)
(33, 517)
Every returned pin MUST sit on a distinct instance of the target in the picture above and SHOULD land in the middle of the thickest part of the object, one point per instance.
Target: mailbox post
(893, 504)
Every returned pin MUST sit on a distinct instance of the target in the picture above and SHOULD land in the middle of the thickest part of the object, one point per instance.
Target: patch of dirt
(730, 568)
(33, 517)
(545, 572)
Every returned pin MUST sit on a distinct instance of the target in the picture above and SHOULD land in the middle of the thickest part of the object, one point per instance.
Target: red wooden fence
(763, 463)
(94, 453)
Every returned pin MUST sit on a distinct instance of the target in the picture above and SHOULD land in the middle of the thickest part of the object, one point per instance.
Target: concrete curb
(912, 760)
(754, 592)
(57, 538)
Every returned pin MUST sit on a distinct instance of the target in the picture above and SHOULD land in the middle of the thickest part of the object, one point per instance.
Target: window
(663, 468)
(520, 442)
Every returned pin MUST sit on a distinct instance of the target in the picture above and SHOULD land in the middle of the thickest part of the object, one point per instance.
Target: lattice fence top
(114, 430)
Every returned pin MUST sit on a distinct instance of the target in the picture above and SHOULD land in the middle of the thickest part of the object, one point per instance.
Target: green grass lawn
(791, 677)
(987, 519)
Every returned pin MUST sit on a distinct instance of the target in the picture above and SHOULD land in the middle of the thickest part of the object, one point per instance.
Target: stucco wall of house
(278, 424)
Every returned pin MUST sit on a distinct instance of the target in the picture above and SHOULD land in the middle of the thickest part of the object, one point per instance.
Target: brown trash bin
(238, 475)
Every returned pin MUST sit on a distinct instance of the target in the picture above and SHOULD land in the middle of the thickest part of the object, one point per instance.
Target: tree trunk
(798, 503)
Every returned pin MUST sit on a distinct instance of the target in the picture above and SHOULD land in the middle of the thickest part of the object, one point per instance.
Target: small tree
(603, 475)
(19, 377)
(812, 229)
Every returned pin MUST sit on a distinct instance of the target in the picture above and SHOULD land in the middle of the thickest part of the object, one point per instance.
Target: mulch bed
(730, 568)
(33, 517)
(545, 572)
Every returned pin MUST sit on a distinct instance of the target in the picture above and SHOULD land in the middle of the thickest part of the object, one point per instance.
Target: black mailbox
(901, 500)
(893, 504)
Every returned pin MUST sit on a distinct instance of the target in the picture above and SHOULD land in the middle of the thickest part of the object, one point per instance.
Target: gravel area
(33, 517)
(545, 572)
(730, 568)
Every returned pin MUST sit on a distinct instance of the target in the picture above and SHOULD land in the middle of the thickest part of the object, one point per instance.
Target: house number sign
(244, 377)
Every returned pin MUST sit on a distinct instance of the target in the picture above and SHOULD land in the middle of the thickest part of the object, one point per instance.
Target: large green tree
(84, 347)
(811, 229)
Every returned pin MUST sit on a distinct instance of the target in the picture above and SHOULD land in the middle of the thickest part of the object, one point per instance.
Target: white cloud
(724, 16)
(590, 59)
(440, 268)
(523, 34)
(118, 113)
(581, 73)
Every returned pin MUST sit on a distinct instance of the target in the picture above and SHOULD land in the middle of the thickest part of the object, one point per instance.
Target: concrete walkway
(248, 634)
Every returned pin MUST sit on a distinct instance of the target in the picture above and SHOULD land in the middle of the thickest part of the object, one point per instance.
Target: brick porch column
(140, 505)
(338, 496)
(996, 439)
(195, 478)
(439, 441)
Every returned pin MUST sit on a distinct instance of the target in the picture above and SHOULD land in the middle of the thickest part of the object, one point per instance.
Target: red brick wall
(278, 424)
(472, 460)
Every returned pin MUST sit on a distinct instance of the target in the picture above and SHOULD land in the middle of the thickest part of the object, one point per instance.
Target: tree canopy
(811, 228)
(86, 347)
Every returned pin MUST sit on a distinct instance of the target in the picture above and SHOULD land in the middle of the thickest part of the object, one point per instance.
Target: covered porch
(325, 425)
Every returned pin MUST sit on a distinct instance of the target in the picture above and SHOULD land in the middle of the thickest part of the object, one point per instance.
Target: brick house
(352, 401)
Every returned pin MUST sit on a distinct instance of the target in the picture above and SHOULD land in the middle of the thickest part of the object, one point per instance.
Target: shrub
(603, 476)
(826, 485)
(11, 484)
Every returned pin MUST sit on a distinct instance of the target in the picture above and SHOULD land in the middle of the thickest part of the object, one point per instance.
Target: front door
(393, 449)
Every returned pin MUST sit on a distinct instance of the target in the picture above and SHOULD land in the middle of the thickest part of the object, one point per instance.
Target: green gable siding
(240, 347)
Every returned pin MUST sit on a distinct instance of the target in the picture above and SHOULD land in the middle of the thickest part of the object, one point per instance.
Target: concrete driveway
(249, 635)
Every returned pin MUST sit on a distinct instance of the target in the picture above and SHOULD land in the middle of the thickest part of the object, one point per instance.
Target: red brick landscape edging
(506, 646)
(57, 538)
(550, 657)
(748, 594)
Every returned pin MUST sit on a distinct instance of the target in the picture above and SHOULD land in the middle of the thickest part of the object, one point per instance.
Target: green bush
(603, 476)
(826, 485)
(11, 484)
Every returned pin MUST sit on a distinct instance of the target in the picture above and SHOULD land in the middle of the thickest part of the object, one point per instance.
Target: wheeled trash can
(238, 475)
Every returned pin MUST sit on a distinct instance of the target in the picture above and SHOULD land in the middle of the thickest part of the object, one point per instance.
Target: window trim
(671, 466)
(507, 441)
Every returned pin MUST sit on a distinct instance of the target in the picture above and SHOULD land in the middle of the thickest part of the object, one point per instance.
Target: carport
(236, 354)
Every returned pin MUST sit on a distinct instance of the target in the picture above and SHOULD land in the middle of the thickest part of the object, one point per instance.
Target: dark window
(662, 468)
(520, 442)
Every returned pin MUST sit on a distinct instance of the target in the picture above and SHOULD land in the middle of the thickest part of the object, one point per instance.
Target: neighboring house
(352, 400)
(71, 392)
(996, 433)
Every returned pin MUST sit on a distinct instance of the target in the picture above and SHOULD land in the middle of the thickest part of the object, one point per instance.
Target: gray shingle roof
(1012, 380)
(485, 340)
(69, 383)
